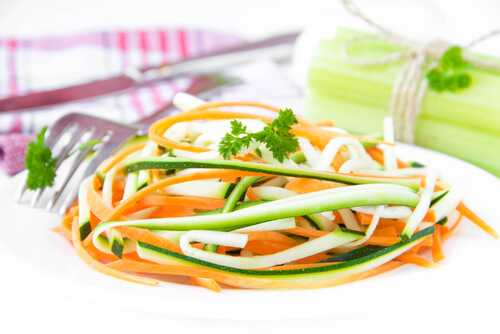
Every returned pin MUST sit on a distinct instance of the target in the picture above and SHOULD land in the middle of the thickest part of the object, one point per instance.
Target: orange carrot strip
(339, 159)
(271, 236)
(389, 231)
(430, 216)
(202, 203)
(262, 247)
(147, 236)
(402, 164)
(376, 154)
(305, 232)
(364, 218)
(382, 241)
(93, 263)
(414, 259)
(207, 283)
(437, 247)
(464, 210)
(172, 211)
(301, 186)
(251, 194)
(313, 259)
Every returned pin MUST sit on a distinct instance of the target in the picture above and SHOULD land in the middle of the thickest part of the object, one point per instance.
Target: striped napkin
(33, 64)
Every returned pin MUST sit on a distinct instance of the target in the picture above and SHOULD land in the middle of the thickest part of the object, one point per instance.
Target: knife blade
(275, 48)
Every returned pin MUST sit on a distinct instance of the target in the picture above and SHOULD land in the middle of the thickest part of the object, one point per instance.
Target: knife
(274, 48)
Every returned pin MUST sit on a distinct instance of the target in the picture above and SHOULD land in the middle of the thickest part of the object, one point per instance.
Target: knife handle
(275, 48)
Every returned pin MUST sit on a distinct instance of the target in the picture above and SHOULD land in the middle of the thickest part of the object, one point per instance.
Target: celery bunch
(465, 124)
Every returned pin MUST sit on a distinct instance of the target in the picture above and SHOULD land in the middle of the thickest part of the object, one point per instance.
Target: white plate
(469, 275)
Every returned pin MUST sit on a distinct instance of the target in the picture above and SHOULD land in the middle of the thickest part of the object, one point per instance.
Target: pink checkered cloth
(28, 65)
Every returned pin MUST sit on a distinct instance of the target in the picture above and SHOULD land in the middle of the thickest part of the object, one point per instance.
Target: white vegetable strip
(311, 153)
(350, 220)
(272, 225)
(178, 131)
(202, 188)
(185, 101)
(371, 228)
(422, 207)
(353, 165)
(390, 212)
(107, 187)
(83, 204)
(332, 148)
(447, 204)
(130, 185)
(314, 246)
(230, 239)
(173, 236)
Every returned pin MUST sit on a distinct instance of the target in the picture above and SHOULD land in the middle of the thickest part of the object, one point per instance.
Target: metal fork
(74, 128)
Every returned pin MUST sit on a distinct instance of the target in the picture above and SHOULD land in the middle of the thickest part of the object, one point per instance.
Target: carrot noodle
(466, 212)
(437, 244)
(152, 199)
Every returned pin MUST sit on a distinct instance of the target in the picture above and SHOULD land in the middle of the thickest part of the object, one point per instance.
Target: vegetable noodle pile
(246, 195)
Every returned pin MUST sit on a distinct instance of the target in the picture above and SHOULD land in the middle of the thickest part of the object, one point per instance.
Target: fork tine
(104, 152)
(54, 135)
(73, 168)
(76, 133)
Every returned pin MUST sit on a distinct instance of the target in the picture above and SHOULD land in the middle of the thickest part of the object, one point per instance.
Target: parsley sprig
(275, 136)
(449, 74)
(40, 164)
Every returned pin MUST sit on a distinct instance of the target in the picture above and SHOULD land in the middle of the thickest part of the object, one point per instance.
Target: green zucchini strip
(326, 200)
(171, 162)
(312, 247)
(83, 210)
(270, 193)
(305, 277)
(238, 192)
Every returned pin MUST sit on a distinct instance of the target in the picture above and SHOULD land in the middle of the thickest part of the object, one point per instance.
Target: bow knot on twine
(410, 86)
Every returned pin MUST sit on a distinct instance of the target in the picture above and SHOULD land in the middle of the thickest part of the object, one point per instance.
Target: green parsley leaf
(40, 164)
(452, 59)
(276, 137)
(449, 74)
(234, 141)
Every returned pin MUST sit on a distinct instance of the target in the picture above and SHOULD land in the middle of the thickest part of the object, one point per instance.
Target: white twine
(410, 86)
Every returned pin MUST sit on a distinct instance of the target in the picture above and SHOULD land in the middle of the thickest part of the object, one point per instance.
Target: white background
(25, 308)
